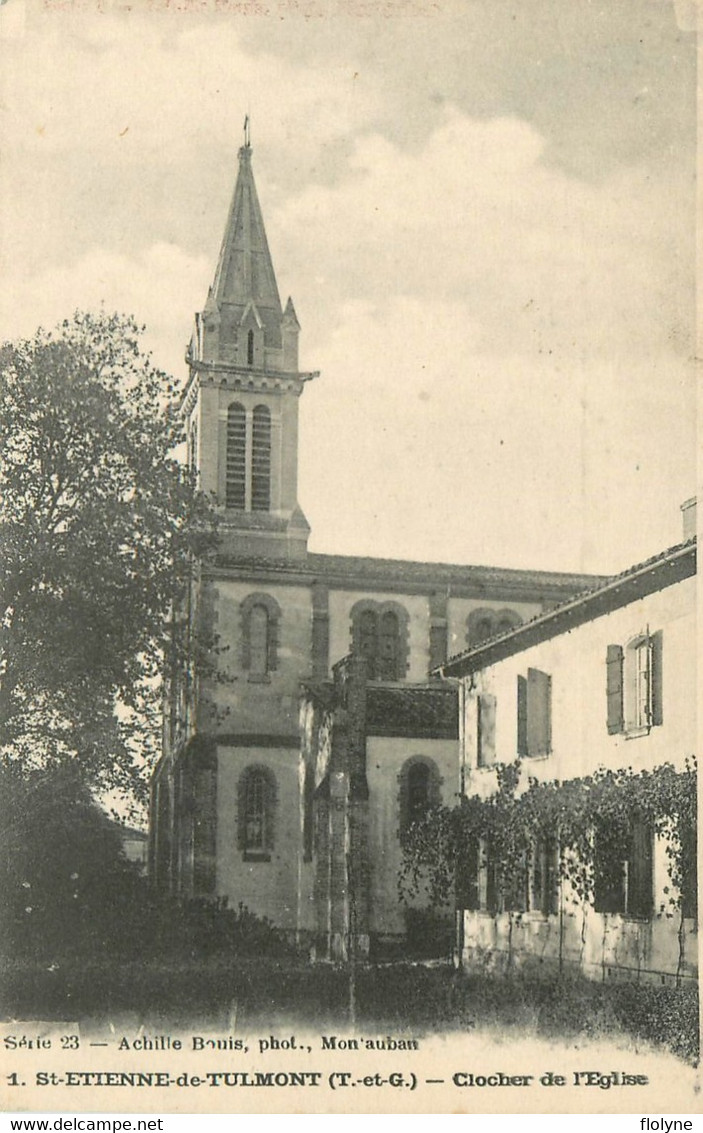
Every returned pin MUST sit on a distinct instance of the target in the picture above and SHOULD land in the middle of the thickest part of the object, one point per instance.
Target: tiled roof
(420, 712)
(407, 575)
(443, 573)
(653, 574)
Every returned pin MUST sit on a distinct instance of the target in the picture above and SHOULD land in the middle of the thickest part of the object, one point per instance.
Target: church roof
(244, 273)
(407, 576)
(446, 575)
(428, 712)
(656, 573)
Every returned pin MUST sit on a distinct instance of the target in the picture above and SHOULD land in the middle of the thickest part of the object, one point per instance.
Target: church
(295, 761)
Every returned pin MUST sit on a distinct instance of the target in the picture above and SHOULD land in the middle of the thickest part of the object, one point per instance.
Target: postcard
(348, 687)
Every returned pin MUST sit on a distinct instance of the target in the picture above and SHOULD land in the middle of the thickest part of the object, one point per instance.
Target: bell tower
(241, 402)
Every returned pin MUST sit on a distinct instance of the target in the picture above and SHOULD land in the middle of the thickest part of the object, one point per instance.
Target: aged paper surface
(486, 216)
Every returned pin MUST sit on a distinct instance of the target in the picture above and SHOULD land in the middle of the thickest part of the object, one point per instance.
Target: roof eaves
(610, 596)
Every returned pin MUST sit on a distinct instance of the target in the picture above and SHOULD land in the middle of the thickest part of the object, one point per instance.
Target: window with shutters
(380, 634)
(634, 685)
(534, 714)
(485, 730)
(256, 813)
(236, 462)
(261, 459)
(248, 459)
(419, 791)
(624, 880)
(260, 621)
(544, 876)
(533, 888)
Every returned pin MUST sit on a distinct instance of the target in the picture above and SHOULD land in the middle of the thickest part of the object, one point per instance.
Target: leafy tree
(99, 525)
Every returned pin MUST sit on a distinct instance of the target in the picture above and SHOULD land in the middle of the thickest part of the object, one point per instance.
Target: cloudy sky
(482, 208)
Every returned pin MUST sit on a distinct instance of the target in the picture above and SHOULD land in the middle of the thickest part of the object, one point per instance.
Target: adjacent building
(607, 679)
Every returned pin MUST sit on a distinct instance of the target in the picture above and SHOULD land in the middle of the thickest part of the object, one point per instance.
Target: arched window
(236, 464)
(250, 348)
(482, 625)
(507, 620)
(257, 803)
(380, 634)
(419, 791)
(258, 640)
(261, 459)
(388, 647)
(260, 618)
(368, 640)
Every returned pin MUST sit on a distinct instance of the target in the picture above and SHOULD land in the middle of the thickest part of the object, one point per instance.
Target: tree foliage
(99, 526)
(64, 879)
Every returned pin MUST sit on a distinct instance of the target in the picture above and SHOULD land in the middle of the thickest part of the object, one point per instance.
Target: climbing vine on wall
(589, 819)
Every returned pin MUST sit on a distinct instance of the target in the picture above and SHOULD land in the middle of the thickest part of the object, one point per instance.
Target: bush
(64, 878)
(67, 888)
(429, 933)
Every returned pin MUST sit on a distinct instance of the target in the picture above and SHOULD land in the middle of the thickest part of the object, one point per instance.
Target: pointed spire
(244, 271)
(289, 315)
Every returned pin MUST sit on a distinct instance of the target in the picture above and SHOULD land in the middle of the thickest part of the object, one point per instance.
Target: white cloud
(542, 262)
(149, 286)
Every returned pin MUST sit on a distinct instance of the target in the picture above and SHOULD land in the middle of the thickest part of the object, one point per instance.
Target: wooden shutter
(521, 716)
(538, 712)
(639, 871)
(544, 879)
(614, 688)
(486, 753)
(655, 675)
(609, 896)
(235, 458)
(261, 459)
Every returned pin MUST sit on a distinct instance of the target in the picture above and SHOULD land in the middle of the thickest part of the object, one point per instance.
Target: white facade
(644, 623)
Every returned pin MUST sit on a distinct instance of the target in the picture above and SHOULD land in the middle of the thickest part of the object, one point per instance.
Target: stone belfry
(241, 402)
